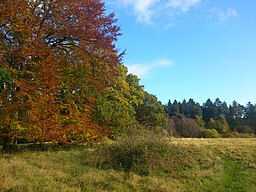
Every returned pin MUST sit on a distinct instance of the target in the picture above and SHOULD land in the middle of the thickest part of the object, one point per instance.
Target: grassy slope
(217, 165)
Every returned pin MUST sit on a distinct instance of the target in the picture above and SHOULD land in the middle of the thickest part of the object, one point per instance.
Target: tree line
(212, 119)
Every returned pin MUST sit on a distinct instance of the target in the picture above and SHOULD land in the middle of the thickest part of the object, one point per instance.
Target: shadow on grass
(34, 147)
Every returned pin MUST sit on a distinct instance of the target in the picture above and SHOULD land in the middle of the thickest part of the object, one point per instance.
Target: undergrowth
(148, 153)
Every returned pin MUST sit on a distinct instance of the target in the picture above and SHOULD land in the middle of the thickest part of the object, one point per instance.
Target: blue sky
(183, 49)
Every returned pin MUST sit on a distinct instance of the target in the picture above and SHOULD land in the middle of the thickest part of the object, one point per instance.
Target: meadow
(169, 164)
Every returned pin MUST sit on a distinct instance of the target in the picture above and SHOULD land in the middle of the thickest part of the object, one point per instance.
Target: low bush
(211, 133)
(145, 152)
(137, 152)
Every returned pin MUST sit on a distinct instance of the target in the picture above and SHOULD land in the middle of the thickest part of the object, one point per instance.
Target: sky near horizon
(197, 49)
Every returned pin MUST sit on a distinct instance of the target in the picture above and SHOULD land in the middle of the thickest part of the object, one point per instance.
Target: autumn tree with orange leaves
(56, 57)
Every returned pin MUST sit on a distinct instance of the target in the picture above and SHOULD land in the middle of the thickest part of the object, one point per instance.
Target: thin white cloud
(147, 10)
(168, 12)
(143, 70)
(220, 16)
(143, 9)
(163, 62)
(169, 25)
(182, 5)
(139, 69)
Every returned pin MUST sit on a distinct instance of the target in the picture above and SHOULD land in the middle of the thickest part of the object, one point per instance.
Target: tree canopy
(61, 75)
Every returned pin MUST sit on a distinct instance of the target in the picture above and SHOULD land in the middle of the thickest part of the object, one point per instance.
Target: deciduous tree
(151, 112)
(55, 58)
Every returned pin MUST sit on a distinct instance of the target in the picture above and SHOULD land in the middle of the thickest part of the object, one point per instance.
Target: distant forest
(212, 119)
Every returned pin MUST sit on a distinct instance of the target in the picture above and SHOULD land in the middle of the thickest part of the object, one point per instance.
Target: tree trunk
(9, 144)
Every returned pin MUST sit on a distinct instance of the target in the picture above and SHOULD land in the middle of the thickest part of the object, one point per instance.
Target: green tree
(137, 93)
(200, 122)
(168, 108)
(212, 124)
(209, 111)
(224, 111)
(235, 119)
(250, 118)
(223, 126)
(115, 108)
(118, 117)
(219, 125)
(194, 109)
(175, 110)
(151, 113)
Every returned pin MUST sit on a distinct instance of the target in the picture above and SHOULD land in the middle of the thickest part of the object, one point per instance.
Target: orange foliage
(59, 55)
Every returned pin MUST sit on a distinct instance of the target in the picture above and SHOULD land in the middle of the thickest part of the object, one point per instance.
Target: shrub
(211, 133)
(137, 152)
(145, 153)
(186, 127)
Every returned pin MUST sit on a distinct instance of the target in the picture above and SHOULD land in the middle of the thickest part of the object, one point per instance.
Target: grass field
(193, 165)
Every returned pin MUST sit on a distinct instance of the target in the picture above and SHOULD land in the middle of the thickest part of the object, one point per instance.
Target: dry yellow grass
(218, 165)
